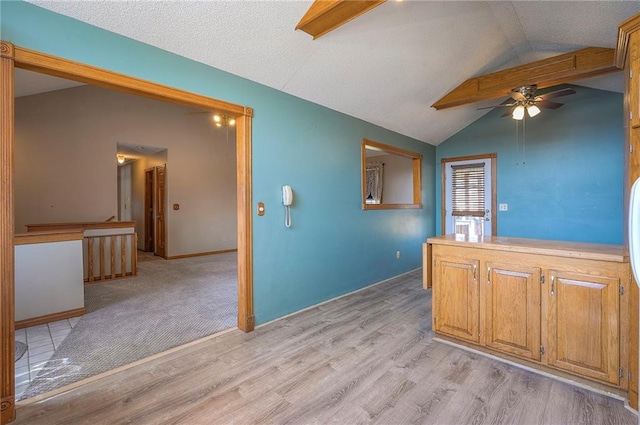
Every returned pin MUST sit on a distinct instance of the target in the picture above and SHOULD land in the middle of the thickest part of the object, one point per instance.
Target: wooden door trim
(7, 330)
(13, 56)
(494, 175)
(246, 318)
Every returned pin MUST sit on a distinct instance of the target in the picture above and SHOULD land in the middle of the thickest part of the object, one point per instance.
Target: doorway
(469, 196)
(142, 193)
(14, 56)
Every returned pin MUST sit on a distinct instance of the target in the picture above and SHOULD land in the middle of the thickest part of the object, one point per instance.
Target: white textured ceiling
(386, 67)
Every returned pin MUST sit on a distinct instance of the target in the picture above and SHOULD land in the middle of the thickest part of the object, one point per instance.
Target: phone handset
(287, 200)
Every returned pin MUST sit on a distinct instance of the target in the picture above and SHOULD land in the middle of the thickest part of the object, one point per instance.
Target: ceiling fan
(525, 99)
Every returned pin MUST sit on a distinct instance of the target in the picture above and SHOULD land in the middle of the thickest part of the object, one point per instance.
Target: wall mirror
(391, 177)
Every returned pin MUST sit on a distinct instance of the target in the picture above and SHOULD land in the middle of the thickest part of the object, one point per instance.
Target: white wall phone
(287, 200)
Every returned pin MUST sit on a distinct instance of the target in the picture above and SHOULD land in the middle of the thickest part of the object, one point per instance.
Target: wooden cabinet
(457, 310)
(512, 318)
(583, 324)
(553, 304)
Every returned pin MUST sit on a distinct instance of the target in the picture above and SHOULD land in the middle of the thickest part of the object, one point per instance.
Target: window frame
(416, 160)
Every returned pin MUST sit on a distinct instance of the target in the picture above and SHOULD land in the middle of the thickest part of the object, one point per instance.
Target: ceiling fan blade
(507, 113)
(507, 105)
(548, 104)
(557, 93)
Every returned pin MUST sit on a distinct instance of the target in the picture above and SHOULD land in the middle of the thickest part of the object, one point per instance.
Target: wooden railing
(109, 248)
(101, 254)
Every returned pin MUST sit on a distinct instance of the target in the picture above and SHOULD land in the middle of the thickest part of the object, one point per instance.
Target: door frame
(493, 157)
(11, 57)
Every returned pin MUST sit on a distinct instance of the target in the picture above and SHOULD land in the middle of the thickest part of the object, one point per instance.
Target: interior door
(481, 180)
(149, 217)
(160, 207)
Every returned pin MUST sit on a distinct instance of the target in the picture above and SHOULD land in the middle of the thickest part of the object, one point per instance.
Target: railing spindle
(113, 256)
(90, 257)
(134, 254)
(123, 255)
(101, 257)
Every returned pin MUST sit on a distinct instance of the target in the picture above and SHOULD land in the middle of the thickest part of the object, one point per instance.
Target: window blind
(468, 190)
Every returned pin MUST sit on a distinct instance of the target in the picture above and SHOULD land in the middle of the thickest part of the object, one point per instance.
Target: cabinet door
(456, 300)
(512, 314)
(583, 324)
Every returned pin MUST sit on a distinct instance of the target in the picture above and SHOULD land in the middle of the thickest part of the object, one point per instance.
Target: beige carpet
(168, 304)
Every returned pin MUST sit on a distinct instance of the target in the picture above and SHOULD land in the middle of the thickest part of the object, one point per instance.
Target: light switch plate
(504, 207)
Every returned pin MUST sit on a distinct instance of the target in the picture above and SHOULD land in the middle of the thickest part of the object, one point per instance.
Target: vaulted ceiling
(387, 66)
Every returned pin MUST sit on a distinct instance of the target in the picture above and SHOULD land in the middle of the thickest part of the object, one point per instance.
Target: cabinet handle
(553, 284)
(489, 275)
(474, 271)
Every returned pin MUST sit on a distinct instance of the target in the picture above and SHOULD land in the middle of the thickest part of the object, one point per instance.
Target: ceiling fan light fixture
(232, 122)
(533, 110)
(120, 159)
(216, 118)
(518, 113)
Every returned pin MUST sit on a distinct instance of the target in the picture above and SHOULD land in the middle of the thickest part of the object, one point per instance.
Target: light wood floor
(365, 358)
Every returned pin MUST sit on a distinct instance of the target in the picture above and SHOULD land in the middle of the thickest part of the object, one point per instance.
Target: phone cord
(287, 216)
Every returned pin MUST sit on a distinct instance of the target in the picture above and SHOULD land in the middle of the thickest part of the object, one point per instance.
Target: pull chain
(524, 140)
(517, 141)
(521, 158)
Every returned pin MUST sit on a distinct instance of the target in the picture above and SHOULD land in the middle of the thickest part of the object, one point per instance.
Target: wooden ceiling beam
(584, 63)
(326, 15)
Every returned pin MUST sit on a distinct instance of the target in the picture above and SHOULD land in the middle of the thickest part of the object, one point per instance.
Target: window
(468, 190)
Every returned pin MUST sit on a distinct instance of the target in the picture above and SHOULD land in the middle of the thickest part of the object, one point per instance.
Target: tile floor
(41, 342)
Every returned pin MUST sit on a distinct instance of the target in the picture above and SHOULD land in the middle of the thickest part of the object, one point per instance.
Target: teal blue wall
(570, 186)
(333, 247)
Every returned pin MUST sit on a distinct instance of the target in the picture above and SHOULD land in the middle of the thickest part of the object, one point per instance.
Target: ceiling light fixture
(518, 112)
(223, 120)
(120, 159)
(532, 110)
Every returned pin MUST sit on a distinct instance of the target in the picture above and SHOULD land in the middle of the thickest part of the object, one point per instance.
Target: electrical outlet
(398, 255)
(504, 207)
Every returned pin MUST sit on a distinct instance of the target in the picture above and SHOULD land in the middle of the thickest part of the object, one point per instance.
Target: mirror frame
(416, 160)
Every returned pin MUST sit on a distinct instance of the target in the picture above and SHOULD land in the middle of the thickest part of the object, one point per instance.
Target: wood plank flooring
(367, 358)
